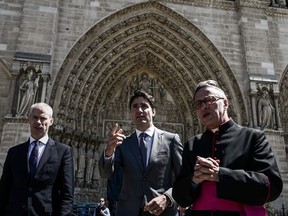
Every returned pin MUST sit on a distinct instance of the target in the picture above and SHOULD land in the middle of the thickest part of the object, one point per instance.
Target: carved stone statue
(145, 83)
(89, 164)
(265, 110)
(276, 3)
(81, 164)
(27, 93)
(74, 145)
(96, 174)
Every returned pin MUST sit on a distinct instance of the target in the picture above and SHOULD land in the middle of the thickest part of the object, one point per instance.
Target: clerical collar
(149, 131)
(223, 126)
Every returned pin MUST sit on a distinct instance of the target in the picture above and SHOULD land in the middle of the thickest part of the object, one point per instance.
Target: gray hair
(210, 83)
(43, 106)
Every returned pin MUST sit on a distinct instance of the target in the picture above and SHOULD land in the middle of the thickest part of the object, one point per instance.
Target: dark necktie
(33, 158)
(143, 148)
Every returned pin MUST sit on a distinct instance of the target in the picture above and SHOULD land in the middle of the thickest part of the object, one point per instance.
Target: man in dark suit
(146, 184)
(114, 184)
(37, 178)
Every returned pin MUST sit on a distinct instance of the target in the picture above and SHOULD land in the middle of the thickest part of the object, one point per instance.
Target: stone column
(12, 109)
(45, 78)
(254, 110)
(277, 118)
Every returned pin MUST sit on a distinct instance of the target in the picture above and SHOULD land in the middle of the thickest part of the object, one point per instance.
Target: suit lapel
(24, 157)
(156, 145)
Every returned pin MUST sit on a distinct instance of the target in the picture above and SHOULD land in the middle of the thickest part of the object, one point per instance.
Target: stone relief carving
(264, 98)
(148, 48)
(81, 164)
(86, 152)
(277, 3)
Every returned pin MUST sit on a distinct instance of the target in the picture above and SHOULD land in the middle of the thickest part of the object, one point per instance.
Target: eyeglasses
(209, 100)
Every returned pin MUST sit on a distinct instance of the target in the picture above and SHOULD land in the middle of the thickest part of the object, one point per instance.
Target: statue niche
(27, 93)
(266, 111)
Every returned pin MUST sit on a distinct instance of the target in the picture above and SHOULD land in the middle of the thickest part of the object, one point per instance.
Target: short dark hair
(141, 93)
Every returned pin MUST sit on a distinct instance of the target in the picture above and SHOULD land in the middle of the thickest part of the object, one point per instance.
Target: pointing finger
(114, 128)
(120, 131)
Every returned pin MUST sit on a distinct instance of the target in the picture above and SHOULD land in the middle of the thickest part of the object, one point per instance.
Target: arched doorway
(148, 46)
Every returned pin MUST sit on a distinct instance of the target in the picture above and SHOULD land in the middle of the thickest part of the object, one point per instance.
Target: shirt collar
(43, 140)
(149, 131)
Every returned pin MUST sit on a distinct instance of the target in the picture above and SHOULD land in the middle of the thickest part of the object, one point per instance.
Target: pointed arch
(283, 101)
(143, 37)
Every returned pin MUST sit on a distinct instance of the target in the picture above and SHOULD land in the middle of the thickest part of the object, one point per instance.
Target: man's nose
(139, 109)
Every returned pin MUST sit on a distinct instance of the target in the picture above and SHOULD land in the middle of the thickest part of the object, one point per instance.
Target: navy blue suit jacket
(51, 188)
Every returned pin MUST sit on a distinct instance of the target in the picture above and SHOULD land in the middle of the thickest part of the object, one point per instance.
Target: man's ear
(154, 112)
(226, 104)
(51, 121)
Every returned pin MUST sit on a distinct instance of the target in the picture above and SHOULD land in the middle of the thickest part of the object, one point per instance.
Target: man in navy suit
(146, 184)
(46, 186)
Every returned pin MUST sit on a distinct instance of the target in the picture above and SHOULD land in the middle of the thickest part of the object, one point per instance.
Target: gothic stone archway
(284, 106)
(145, 45)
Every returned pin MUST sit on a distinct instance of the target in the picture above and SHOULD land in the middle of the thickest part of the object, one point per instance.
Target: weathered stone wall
(14, 132)
(250, 35)
(5, 87)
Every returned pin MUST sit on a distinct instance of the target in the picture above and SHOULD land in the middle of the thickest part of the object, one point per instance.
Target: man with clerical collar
(229, 169)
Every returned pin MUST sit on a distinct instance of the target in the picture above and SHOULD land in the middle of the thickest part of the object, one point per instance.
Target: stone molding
(144, 37)
(235, 5)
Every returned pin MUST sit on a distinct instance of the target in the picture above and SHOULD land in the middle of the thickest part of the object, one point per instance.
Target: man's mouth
(205, 115)
(141, 118)
(39, 128)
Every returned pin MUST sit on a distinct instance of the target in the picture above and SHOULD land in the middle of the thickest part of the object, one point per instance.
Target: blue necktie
(143, 148)
(33, 158)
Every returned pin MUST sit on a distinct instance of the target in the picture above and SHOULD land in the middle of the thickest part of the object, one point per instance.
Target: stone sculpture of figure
(162, 94)
(133, 86)
(74, 145)
(96, 174)
(265, 110)
(159, 91)
(27, 93)
(145, 84)
(81, 164)
(277, 3)
(89, 163)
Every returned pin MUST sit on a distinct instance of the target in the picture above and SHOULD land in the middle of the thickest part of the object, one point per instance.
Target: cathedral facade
(86, 57)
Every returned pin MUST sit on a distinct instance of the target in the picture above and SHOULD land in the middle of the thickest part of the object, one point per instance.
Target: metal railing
(84, 209)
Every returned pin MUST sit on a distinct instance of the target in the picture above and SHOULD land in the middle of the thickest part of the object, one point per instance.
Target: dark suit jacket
(51, 188)
(164, 162)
